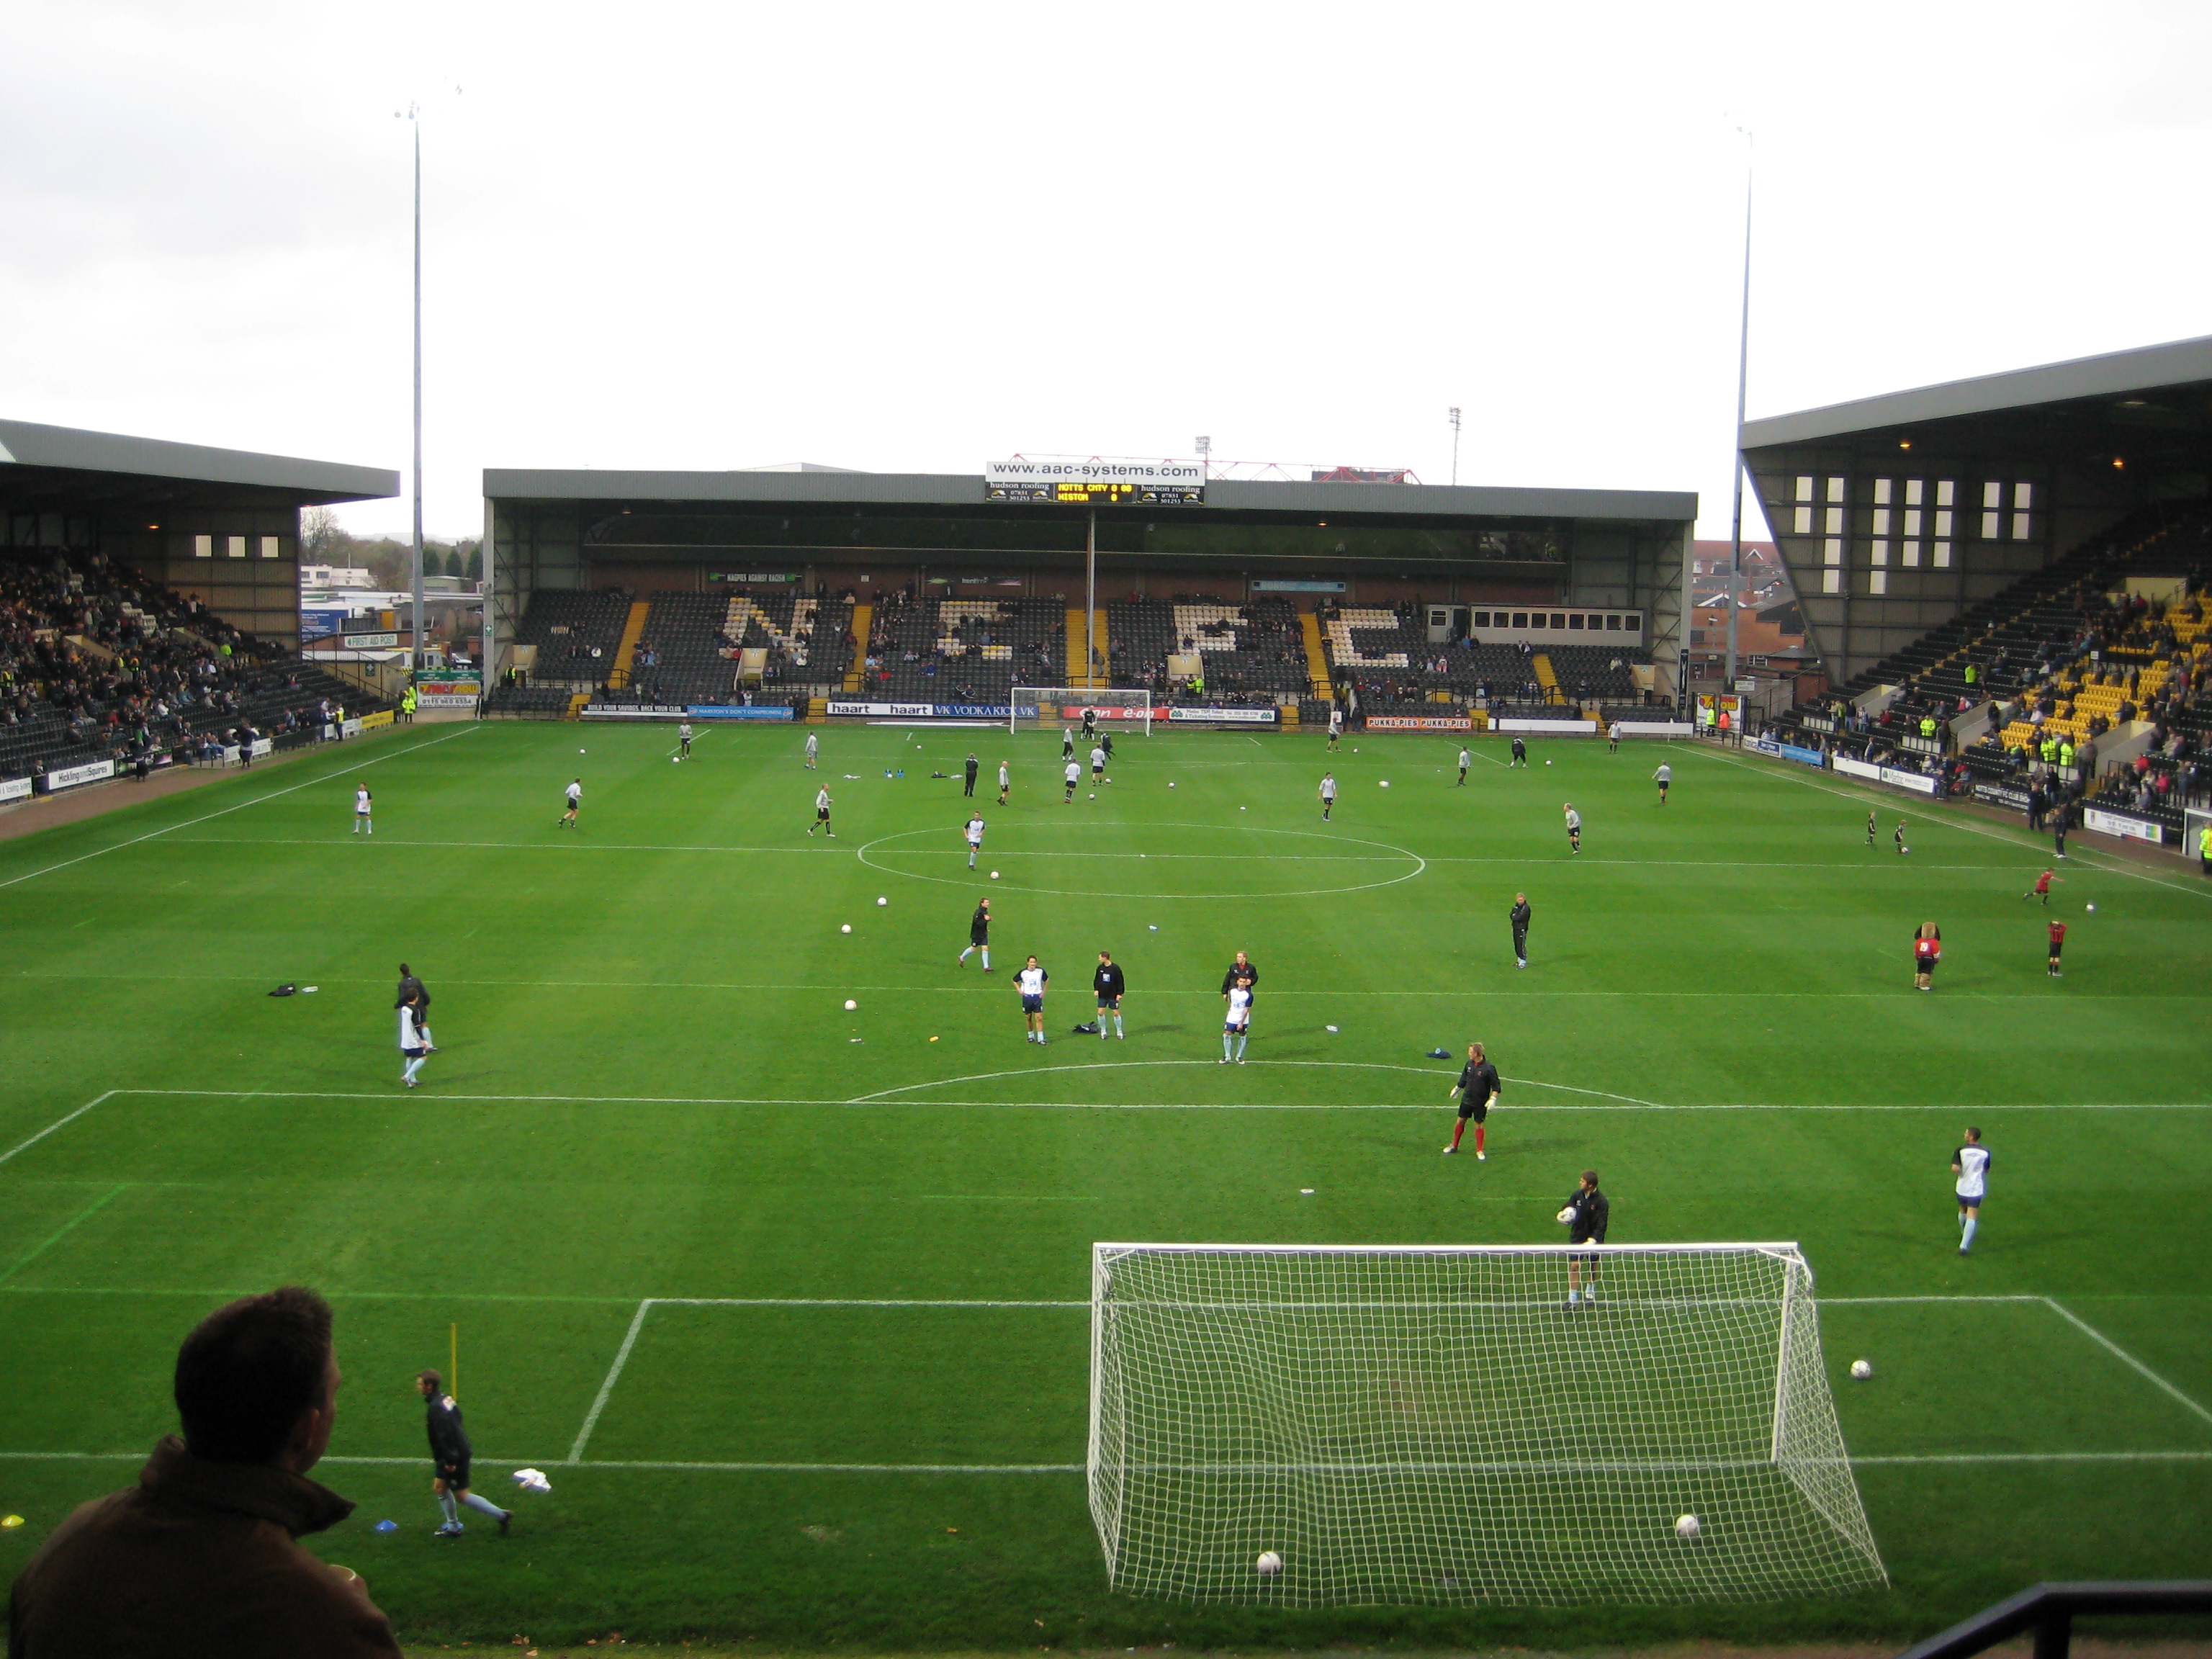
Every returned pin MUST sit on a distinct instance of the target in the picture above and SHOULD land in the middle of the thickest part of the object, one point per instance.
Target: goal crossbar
(1441, 1424)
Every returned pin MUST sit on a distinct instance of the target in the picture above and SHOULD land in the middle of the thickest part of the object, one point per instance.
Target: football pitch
(790, 1302)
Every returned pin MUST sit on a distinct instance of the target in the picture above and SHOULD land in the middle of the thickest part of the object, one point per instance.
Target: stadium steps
(1540, 666)
(626, 649)
(576, 702)
(1316, 657)
(856, 672)
(1075, 647)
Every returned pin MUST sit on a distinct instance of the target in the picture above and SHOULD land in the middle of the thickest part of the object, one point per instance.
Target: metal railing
(2050, 1610)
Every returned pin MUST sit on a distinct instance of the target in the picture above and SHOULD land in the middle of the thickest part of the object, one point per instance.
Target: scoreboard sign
(1097, 483)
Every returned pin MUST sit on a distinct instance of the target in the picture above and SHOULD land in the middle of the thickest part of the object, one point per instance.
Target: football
(2092, 906)
(1565, 1215)
(1861, 1369)
(882, 901)
(1686, 1526)
(1269, 1564)
(994, 875)
(850, 1004)
(846, 928)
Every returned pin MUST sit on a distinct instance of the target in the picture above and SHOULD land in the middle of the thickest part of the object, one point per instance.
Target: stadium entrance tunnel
(1148, 860)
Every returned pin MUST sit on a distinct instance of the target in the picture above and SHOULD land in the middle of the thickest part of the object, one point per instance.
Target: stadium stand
(1244, 650)
(576, 631)
(690, 651)
(2029, 685)
(97, 663)
(964, 650)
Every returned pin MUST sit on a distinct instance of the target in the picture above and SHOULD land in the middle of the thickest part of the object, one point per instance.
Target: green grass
(649, 1089)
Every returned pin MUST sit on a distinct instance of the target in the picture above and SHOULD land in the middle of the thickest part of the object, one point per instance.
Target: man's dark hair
(402, 970)
(430, 1377)
(1590, 1176)
(248, 1370)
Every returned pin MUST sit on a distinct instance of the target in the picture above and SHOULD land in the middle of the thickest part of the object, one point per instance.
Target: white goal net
(1433, 1424)
(1111, 710)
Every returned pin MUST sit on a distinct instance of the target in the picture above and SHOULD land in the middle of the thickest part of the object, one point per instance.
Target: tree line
(324, 540)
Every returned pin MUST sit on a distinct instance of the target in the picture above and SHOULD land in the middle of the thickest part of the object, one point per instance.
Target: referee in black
(1240, 972)
(449, 1452)
(1477, 1089)
(410, 990)
(1589, 1213)
(970, 789)
(1520, 918)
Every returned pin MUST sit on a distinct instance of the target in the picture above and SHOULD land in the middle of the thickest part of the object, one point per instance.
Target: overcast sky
(917, 238)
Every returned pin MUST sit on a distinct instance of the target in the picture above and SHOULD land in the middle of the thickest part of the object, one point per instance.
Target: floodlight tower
(1205, 457)
(414, 119)
(1454, 417)
(1736, 438)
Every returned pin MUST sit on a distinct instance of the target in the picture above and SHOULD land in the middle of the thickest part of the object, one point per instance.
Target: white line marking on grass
(607, 1387)
(2104, 865)
(238, 806)
(1627, 1102)
(59, 1123)
(1421, 865)
(2123, 1356)
(631, 1466)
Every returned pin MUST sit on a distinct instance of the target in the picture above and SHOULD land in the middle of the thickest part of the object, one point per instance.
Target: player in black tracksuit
(1520, 751)
(1586, 1224)
(970, 789)
(449, 1452)
(979, 935)
(1520, 918)
(1240, 972)
(1108, 983)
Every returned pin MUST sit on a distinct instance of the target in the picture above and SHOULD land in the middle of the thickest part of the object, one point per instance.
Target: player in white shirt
(1612, 738)
(574, 793)
(1098, 765)
(1327, 794)
(813, 749)
(363, 823)
(822, 812)
(1238, 1024)
(413, 1045)
(1335, 726)
(1005, 782)
(1030, 982)
(1662, 777)
(974, 833)
(1466, 759)
(1574, 828)
(684, 740)
(1074, 776)
(1971, 1164)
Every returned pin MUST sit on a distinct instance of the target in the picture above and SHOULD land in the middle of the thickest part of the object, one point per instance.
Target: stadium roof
(962, 489)
(2182, 366)
(63, 461)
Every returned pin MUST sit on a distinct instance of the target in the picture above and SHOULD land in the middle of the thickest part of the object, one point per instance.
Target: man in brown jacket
(199, 1559)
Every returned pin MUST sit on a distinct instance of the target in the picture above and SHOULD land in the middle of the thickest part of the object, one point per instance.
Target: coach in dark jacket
(199, 1559)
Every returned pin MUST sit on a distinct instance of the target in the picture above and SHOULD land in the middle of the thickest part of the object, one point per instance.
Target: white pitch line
(641, 1466)
(238, 806)
(58, 1123)
(2104, 865)
(607, 1387)
(1627, 1102)
(2125, 1357)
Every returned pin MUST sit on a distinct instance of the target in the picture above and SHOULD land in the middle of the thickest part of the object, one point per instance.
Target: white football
(1171, 785)
(1861, 1369)
(676, 757)
(2092, 906)
(1386, 783)
(1269, 1564)
(1686, 1526)
(846, 928)
(1547, 764)
(850, 1004)
(1565, 1216)
(994, 875)
(1094, 794)
(882, 901)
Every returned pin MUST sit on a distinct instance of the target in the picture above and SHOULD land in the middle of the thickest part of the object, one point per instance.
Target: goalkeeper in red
(1586, 1215)
(450, 1452)
(1477, 1089)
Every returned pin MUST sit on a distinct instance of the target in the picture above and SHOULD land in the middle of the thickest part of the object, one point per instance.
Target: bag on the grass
(285, 990)
(1089, 1028)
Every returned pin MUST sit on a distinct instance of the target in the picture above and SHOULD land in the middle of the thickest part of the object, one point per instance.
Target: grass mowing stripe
(631, 1466)
(2123, 1356)
(237, 806)
(65, 1230)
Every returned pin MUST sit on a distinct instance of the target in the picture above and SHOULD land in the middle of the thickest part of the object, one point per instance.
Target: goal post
(1434, 1425)
(1113, 709)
